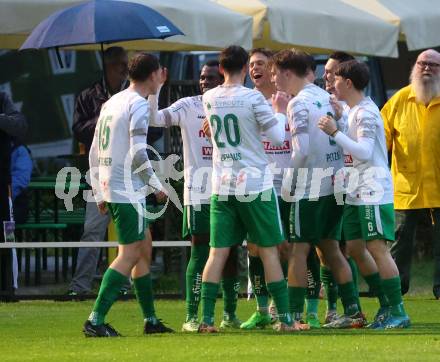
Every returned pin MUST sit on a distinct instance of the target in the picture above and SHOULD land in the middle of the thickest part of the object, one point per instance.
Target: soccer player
(259, 72)
(368, 212)
(120, 136)
(188, 114)
(315, 216)
(327, 279)
(243, 200)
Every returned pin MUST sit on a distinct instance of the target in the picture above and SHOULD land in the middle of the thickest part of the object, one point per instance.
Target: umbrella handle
(57, 50)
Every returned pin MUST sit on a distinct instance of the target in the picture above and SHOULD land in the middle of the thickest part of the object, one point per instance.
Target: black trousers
(6, 285)
(402, 249)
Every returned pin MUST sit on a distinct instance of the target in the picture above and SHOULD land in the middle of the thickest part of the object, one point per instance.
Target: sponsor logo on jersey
(348, 160)
(269, 147)
(202, 134)
(317, 104)
(206, 151)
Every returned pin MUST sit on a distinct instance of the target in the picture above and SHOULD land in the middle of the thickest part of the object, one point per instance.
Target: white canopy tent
(317, 26)
(418, 20)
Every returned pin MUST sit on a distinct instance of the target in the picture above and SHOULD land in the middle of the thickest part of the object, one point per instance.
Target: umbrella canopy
(207, 26)
(100, 21)
(317, 26)
(418, 21)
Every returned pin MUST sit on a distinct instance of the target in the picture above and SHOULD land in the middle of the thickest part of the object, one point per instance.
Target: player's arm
(298, 117)
(94, 170)
(166, 117)
(388, 113)
(139, 115)
(271, 124)
(362, 148)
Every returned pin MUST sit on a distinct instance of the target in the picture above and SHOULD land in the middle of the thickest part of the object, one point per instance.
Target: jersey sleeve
(139, 119)
(94, 167)
(366, 122)
(298, 116)
(167, 117)
(263, 112)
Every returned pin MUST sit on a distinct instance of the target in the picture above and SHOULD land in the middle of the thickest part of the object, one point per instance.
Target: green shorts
(369, 222)
(195, 222)
(231, 220)
(313, 221)
(284, 208)
(130, 225)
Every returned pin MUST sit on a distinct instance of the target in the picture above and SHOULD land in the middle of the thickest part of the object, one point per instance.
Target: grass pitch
(52, 331)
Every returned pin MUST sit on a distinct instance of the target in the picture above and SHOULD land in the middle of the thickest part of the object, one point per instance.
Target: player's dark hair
(294, 60)
(142, 65)
(341, 56)
(113, 54)
(356, 71)
(233, 58)
(212, 63)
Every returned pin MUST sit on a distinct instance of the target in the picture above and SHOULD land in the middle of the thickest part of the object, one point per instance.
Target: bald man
(411, 120)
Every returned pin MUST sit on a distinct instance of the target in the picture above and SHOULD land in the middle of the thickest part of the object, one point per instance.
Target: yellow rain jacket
(412, 131)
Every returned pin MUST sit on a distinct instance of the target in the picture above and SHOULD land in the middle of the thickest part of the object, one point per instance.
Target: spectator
(21, 171)
(411, 124)
(12, 124)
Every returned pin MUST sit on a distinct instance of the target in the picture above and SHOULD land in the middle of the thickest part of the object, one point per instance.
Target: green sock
(256, 274)
(143, 288)
(194, 270)
(330, 286)
(375, 284)
(312, 306)
(278, 290)
(296, 301)
(111, 284)
(230, 287)
(355, 273)
(209, 297)
(348, 298)
(393, 292)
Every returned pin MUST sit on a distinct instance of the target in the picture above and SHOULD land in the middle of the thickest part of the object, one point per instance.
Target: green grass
(52, 331)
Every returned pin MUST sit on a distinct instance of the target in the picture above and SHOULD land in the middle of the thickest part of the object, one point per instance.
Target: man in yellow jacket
(412, 118)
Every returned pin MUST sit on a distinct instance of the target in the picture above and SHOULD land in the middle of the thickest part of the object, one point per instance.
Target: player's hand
(161, 197)
(337, 107)
(163, 75)
(328, 125)
(280, 101)
(102, 207)
(205, 127)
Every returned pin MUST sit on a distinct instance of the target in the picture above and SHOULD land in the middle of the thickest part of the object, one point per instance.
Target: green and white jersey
(278, 155)
(188, 114)
(324, 156)
(364, 120)
(121, 128)
(237, 117)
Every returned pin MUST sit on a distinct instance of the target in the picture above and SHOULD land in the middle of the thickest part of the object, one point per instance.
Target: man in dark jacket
(12, 124)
